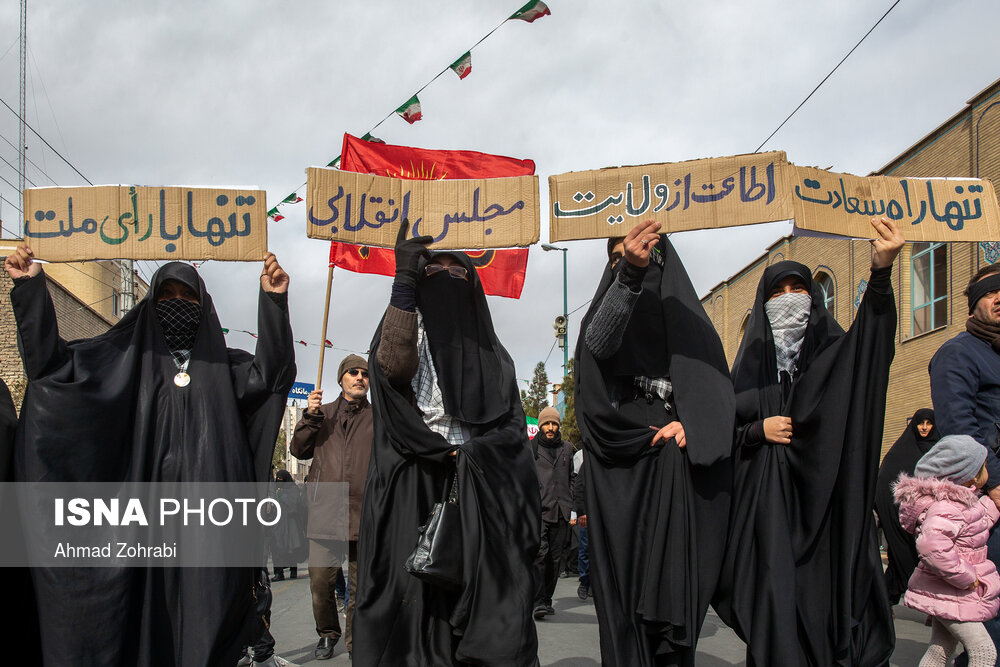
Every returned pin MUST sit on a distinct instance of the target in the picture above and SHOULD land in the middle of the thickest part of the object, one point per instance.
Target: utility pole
(22, 99)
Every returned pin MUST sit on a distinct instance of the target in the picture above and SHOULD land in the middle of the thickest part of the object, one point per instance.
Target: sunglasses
(454, 271)
(353, 372)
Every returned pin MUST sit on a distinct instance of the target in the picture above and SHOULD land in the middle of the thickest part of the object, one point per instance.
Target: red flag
(426, 164)
(501, 271)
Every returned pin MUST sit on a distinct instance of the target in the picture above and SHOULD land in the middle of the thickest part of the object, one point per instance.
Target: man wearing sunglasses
(337, 437)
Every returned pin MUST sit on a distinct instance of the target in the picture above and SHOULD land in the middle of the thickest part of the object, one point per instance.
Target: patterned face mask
(789, 315)
(179, 320)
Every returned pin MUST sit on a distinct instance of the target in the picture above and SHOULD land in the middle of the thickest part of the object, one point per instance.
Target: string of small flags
(327, 344)
(410, 109)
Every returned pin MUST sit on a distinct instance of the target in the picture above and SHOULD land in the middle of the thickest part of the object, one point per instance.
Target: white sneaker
(274, 661)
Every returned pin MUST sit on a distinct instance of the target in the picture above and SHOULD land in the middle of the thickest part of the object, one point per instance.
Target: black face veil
(399, 620)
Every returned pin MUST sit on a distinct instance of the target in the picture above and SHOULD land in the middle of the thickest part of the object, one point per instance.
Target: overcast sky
(251, 93)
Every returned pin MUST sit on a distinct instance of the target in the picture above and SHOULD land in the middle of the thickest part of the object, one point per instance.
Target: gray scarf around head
(789, 316)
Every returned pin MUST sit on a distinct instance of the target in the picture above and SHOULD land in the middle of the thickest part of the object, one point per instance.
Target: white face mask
(789, 315)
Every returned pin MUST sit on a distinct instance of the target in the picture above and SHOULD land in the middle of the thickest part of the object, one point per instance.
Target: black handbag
(437, 558)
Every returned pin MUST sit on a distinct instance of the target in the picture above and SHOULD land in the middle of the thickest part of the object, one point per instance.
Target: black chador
(901, 547)
(111, 409)
(654, 514)
(802, 581)
(399, 620)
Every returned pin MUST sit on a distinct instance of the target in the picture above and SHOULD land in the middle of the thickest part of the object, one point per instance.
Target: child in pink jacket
(954, 581)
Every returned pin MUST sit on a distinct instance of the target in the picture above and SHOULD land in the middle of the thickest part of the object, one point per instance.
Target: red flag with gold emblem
(500, 271)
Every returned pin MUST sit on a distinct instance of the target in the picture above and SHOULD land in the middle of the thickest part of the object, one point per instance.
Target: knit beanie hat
(957, 458)
(349, 362)
(549, 414)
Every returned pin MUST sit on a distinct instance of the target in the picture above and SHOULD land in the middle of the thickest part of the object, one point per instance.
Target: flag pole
(326, 319)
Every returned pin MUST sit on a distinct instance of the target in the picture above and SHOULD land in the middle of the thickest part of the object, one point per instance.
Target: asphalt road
(567, 639)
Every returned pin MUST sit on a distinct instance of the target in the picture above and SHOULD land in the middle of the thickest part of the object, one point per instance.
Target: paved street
(567, 639)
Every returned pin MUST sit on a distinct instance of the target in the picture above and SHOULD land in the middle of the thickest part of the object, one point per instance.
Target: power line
(15, 171)
(51, 147)
(826, 77)
(30, 161)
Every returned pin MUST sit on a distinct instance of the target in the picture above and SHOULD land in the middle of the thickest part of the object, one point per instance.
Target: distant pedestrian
(954, 581)
(554, 466)
(916, 440)
(287, 538)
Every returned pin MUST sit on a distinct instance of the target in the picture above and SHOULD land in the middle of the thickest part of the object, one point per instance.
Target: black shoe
(350, 656)
(279, 576)
(324, 649)
(582, 592)
(549, 610)
(539, 611)
(293, 573)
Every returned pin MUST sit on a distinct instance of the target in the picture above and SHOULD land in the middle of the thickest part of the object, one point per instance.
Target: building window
(743, 326)
(116, 302)
(929, 287)
(825, 283)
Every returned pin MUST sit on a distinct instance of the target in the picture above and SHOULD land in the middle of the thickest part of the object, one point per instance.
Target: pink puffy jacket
(952, 524)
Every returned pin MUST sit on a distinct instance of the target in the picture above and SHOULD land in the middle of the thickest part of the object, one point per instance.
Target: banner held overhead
(366, 209)
(68, 224)
(765, 187)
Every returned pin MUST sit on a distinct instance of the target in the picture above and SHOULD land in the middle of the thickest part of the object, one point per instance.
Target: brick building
(928, 278)
(88, 301)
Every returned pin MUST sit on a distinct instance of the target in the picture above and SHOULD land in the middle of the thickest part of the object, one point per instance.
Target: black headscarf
(399, 620)
(802, 551)
(220, 427)
(755, 371)
(900, 544)
(655, 564)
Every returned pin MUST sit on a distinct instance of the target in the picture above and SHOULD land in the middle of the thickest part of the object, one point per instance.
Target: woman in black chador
(802, 580)
(918, 437)
(446, 402)
(157, 398)
(655, 407)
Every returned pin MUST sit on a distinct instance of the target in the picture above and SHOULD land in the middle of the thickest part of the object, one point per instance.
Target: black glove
(408, 254)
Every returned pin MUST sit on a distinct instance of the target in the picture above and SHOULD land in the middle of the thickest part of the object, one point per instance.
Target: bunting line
(410, 111)
(328, 345)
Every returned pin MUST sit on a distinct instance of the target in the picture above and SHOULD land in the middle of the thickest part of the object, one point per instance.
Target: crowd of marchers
(753, 489)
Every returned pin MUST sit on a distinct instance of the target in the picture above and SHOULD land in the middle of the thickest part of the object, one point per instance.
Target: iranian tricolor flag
(410, 110)
(532, 424)
(293, 198)
(535, 9)
(500, 271)
(463, 66)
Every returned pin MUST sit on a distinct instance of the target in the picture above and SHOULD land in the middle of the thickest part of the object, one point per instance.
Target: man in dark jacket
(554, 465)
(965, 386)
(337, 436)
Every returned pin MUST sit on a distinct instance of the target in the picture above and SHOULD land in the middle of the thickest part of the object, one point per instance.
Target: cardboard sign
(133, 222)
(927, 209)
(366, 209)
(765, 187)
(698, 194)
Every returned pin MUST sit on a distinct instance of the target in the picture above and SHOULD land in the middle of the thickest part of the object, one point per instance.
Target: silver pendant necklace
(182, 379)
